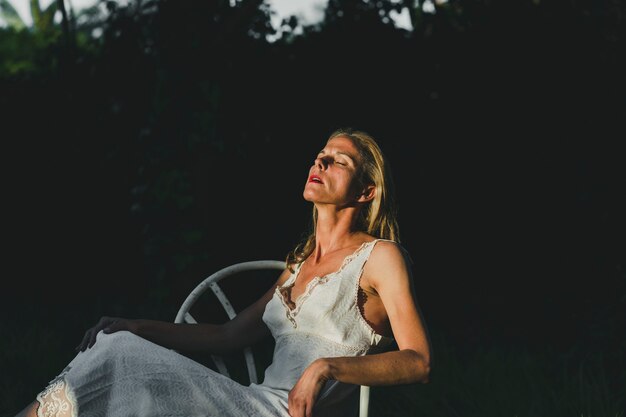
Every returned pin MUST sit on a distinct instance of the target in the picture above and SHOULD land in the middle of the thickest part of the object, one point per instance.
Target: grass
(494, 381)
(512, 382)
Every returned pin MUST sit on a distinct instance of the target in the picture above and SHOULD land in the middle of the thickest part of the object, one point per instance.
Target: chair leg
(364, 401)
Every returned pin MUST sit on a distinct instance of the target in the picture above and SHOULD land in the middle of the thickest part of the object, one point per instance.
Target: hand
(303, 395)
(107, 325)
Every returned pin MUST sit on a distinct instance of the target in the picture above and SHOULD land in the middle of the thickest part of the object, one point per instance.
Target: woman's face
(332, 177)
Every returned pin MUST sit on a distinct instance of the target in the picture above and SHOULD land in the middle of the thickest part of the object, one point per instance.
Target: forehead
(341, 144)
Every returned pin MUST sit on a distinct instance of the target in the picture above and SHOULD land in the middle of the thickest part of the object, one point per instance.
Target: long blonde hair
(379, 217)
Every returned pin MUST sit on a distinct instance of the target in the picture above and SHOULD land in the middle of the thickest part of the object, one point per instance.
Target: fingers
(106, 324)
(87, 340)
(83, 343)
(92, 337)
(301, 411)
(300, 407)
(113, 326)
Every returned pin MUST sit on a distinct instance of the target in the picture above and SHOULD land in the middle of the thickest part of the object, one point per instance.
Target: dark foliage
(177, 142)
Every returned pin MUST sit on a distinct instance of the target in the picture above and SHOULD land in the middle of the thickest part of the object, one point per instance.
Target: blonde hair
(379, 217)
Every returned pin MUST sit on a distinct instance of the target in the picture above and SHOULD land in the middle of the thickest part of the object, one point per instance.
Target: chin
(308, 196)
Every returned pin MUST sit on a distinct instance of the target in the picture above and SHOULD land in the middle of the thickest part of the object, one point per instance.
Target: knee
(122, 337)
(113, 342)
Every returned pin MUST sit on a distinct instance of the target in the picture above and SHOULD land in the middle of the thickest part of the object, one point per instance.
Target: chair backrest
(212, 282)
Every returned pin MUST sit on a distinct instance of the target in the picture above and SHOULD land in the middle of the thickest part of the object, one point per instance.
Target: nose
(320, 164)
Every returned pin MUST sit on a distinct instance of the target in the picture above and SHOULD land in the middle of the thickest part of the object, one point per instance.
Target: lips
(316, 179)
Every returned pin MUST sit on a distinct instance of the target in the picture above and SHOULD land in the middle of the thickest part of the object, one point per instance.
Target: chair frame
(211, 282)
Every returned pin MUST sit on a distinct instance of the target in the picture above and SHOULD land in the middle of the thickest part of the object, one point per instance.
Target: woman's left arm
(388, 273)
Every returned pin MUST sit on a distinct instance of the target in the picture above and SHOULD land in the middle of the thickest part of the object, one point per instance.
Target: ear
(367, 194)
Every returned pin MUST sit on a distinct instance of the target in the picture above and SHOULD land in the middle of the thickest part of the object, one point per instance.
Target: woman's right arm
(243, 330)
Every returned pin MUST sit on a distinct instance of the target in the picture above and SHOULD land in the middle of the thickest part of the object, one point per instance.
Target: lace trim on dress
(292, 313)
(299, 301)
(57, 400)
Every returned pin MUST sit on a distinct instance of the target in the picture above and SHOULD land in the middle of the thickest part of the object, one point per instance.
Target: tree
(43, 19)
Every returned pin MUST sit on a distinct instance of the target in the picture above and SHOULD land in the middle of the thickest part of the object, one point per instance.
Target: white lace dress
(126, 375)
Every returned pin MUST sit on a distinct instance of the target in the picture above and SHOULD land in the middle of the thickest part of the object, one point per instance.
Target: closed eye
(330, 159)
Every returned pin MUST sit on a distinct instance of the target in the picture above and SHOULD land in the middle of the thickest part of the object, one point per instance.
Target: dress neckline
(317, 279)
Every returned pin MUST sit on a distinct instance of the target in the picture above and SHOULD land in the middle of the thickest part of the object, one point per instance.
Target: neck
(334, 230)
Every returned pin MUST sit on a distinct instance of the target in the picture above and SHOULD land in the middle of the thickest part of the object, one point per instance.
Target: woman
(343, 298)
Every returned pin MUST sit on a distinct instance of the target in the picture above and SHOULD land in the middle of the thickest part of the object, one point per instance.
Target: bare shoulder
(387, 261)
(387, 253)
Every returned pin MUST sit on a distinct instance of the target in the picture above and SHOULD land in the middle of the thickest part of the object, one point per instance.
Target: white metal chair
(184, 316)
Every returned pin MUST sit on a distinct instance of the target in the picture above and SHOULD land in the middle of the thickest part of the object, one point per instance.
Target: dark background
(178, 142)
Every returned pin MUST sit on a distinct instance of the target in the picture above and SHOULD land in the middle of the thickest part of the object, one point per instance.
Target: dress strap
(376, 340)
(359, 258)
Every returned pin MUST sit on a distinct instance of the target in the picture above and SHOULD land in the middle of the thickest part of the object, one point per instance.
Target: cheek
(353, 186)
(348, 190)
